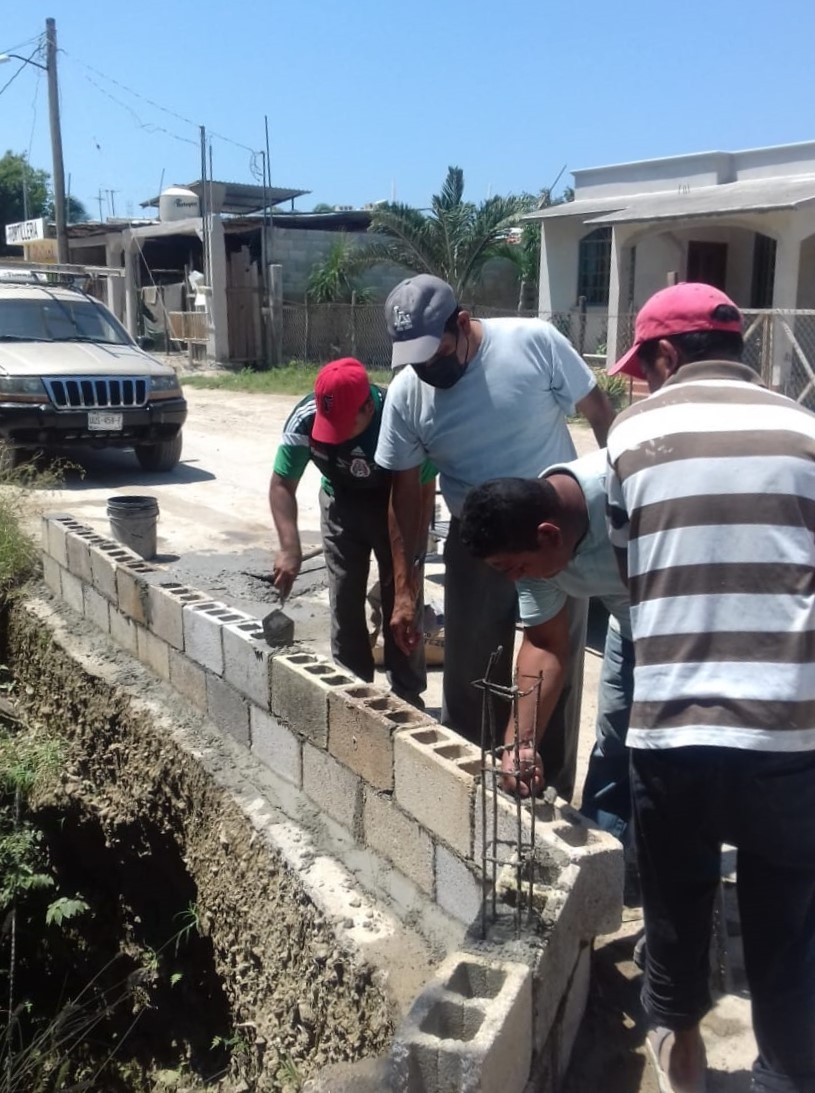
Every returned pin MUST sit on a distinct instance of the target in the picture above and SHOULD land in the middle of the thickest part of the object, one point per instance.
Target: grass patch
(295, 378)
(19, 554)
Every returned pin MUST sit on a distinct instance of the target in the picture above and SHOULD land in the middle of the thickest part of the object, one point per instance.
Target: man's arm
(544, 654)
(283, 503)
(599, 412)
(407, 506)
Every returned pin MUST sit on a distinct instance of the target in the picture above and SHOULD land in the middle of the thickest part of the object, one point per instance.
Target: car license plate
(104, 421)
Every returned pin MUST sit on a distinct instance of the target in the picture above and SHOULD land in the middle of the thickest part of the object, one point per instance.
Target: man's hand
(406, 633)
(286, 567)
(530, 767)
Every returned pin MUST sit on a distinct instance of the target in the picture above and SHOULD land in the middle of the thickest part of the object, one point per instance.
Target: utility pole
(56, 141)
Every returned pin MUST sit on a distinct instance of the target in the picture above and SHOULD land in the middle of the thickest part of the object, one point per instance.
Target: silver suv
(71, 376)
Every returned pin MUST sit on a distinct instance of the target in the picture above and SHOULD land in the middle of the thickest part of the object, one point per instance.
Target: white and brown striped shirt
(711, 505)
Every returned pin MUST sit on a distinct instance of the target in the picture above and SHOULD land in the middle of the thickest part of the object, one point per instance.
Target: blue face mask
(443, 372)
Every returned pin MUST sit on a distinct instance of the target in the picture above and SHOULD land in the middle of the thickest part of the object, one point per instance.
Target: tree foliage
(453, 239)
(16, 176)
(333, 280)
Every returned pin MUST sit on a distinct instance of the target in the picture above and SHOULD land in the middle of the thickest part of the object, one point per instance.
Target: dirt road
(215, 534)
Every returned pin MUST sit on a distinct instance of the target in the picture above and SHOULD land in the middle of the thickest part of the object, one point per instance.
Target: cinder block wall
(404, 786)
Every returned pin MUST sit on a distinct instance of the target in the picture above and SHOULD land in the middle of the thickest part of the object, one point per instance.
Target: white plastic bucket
(133, 521)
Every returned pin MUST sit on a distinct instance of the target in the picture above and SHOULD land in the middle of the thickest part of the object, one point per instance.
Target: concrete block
(51, 571)
(96, 609)
(79, 557)
(132, 591)
(189, 679)
(153, 652)
(103, 573)
(123, 631)
(435, 775)
(72, 591)
(275, 745)
(166, 602)
(228, 709)
(301, 683)
(57, 536)
(396, 836)
(248, 661)
(459, 889)
(203, 623)
(335, 789)
(572, 1010)
(469, 1031)
(362, 720)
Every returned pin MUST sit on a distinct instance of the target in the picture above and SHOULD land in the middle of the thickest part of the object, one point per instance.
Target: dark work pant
(687, 802)
(352, 526)
(607, 789)
(480, 612)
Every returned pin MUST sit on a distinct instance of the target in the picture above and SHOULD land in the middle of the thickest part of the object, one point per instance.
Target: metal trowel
(278, 628)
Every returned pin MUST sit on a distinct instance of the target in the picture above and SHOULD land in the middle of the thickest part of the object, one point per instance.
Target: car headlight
(165, 383)
(22, 385)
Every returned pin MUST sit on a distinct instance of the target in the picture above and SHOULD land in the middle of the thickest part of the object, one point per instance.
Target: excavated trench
(207, 960)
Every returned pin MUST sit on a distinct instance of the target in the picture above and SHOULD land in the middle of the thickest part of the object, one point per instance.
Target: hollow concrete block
(469, 1031)
(434, 779)
(459, 890)
(396, 836)
(79, 557)
(275, 745)
(72, 591)
(333, 788)
(248, 661)
(123, 631)
(153, 652)
(362, 720)
(51, 570)
(203, 633)
(228, 709)
(97, 608)
(103, 573)
(132, 591)
(166, 601)
(57, 539)
(301, 683)
(189, 679)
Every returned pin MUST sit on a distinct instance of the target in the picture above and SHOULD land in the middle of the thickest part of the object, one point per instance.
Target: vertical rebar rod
(491, 722)
(519, 855)
(486, 733)
(533, 805)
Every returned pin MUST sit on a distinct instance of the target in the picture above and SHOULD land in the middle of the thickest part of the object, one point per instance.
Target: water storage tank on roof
(177, 203)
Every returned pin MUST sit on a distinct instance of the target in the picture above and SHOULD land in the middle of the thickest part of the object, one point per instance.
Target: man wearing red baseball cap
(711, 509)
(337, 427)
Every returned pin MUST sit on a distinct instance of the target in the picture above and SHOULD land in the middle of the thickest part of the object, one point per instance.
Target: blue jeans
(687, 802)
(607, 789)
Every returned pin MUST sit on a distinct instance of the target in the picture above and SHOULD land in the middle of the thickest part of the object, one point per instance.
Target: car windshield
(57, 320)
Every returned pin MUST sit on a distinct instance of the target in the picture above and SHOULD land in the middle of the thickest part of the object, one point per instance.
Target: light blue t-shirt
(506, 416)
(593, 569)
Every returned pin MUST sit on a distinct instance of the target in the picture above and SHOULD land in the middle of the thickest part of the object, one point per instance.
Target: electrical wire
(8, 83)
(22, 45)
(156, 106)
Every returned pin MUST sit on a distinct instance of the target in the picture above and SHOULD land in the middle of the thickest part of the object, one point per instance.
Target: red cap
(341, 389)
(678, 309)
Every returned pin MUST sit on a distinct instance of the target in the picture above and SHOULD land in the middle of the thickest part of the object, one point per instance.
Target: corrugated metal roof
(753, 195)
(236, 197)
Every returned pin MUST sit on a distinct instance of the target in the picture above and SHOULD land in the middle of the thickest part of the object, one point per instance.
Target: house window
(761, 292)
(594, 266)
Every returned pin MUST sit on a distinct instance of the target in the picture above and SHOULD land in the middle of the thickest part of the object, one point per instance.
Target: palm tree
(333, 279)
(453, 239)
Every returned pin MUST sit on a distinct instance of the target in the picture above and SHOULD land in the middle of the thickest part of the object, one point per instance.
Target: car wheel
(162, 456)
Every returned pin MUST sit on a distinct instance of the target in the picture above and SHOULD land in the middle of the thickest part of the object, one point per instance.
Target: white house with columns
(744, 221)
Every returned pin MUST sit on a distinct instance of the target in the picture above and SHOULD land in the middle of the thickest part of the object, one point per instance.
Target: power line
(156, 106)
(22, 45)
(17, 73)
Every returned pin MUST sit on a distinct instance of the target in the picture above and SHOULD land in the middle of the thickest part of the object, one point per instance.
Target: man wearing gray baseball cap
(482, 399)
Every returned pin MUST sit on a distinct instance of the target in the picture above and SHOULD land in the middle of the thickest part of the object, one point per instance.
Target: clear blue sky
(365, 96)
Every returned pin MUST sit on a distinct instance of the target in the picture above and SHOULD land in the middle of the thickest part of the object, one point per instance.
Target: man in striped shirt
(711, 506)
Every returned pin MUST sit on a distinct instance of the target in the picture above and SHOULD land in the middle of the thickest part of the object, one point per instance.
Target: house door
(707, 262)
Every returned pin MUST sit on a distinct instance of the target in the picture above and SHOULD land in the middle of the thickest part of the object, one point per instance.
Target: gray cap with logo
(416, 311)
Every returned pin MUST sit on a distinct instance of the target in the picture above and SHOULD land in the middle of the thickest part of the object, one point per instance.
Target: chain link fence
(779, 345)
